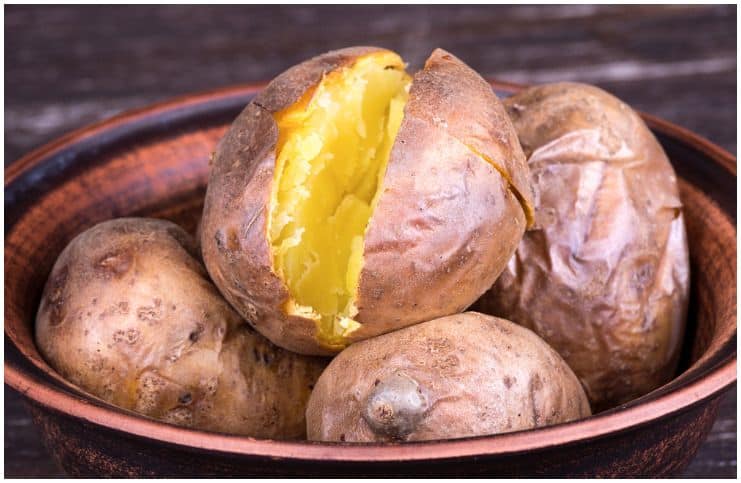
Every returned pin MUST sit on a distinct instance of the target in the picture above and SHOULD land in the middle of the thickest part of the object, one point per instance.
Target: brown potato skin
(476, 374)
(454, 98)
(434, 184)
(447, 221)
(604, 275)
(129, 315)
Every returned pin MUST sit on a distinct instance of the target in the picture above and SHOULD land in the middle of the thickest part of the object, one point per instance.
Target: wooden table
(68, 66)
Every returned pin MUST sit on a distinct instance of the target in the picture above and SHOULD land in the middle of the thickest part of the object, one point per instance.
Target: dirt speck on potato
(185, 398)
(150, 313)
(508, 381)
(196, 333)
(129, 336)
(181, 416)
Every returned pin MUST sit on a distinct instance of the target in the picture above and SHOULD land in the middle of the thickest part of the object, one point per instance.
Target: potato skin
(129, 315)
(434, 183)
(604, 275)
(462, 375)
(447, 221)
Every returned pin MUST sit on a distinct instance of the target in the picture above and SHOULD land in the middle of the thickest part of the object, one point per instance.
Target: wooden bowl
(153, 162)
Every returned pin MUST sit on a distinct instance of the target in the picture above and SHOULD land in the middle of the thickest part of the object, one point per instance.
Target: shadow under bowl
(154, 162)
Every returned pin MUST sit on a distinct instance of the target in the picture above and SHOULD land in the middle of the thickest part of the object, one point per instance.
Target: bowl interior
(154, 163)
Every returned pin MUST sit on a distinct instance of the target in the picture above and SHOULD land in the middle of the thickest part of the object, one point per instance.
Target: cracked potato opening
(332, 151)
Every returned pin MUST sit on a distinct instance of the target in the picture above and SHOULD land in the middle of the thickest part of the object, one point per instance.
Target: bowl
(154, 162)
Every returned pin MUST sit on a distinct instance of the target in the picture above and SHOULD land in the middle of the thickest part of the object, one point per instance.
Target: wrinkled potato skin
(475, 375)
(454, 98)
(433, 184)
(129, 315)
(447, 221)
(604, 276)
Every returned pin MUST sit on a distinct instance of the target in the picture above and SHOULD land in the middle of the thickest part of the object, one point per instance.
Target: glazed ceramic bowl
(154, 161)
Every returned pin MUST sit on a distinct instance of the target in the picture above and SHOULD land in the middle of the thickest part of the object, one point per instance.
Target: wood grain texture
(69, 66)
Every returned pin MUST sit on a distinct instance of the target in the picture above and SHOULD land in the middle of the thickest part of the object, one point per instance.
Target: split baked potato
(463, 375)
(604, 275)
(350, 199)
(129, 315)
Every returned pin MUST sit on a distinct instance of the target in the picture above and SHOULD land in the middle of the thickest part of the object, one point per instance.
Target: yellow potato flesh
(331, 157)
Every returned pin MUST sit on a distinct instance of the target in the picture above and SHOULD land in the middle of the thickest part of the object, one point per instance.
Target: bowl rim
(713, 382)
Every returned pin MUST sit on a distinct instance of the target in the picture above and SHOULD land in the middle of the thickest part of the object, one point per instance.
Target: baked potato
(462, 375)
(604, 275)
(129, 315)
(349, 199)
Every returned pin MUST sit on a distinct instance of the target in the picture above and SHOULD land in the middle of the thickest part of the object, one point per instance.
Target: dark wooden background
(69, 66)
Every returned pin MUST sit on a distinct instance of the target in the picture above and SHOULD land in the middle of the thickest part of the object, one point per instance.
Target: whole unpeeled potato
(129, 315)
(463, 375)
(604, 275)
